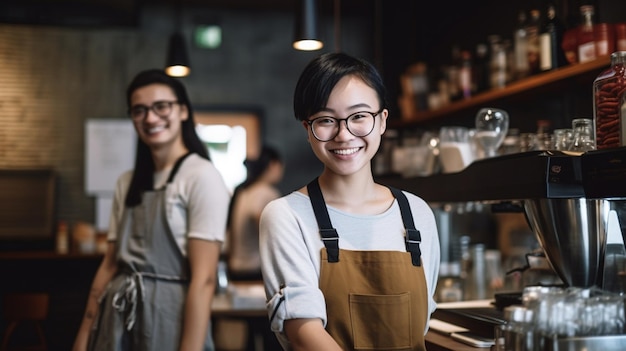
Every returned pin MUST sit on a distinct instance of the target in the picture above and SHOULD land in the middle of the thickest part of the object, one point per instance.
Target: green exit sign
(208, 36)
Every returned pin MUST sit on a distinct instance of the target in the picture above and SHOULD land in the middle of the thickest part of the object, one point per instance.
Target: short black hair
(322, 74)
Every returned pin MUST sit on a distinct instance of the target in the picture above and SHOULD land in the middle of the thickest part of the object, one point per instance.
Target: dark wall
(54, 78)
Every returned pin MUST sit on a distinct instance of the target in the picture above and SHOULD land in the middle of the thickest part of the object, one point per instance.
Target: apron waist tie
(125, 298)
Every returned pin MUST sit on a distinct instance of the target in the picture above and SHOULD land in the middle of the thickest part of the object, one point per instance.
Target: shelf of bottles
(579, 71)
(543, 56)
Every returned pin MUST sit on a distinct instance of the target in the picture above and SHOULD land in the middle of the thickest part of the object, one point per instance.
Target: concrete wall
(54, 78)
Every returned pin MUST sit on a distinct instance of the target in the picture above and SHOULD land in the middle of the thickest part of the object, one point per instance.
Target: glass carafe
(583, 135)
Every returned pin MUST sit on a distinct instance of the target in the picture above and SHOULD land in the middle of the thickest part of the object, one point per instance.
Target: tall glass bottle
(532, 31)
(498, 61)
(586, 41)
(477, 280)
(481, 68)
(453, 74)
(520, 44)
(465, 74)
(609, 103)
(466, 265)
(551, 54)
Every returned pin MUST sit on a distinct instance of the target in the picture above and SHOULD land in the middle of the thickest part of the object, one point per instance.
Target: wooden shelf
(548, 81)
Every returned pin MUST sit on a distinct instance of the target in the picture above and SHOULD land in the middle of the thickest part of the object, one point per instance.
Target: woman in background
(249, 199)
(242, 257)
(154, 287)
(347, 263)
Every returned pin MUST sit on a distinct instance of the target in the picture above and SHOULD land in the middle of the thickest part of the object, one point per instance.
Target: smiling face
(347, 154)
(157, 131)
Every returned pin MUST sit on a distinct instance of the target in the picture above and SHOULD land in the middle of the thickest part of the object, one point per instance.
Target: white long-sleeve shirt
(290, 246)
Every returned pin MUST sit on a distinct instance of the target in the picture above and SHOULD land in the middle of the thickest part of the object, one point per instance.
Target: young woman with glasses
(154, 287)
(348, 264)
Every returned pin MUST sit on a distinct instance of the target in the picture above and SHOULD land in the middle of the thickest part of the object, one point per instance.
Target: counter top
(440, 342)
(229, 305)
(252, 305)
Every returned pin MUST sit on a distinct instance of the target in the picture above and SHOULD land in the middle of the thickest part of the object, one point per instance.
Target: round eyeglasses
(161, 108)
(359, 124)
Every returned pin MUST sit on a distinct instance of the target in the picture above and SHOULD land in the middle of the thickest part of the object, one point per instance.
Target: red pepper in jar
(609, 90)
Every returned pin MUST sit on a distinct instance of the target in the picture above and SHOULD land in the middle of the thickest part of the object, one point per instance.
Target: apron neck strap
(330, 238)
(413, 237)
(329, 235)
(176, 167)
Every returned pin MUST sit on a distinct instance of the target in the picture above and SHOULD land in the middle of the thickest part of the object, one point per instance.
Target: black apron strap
(329, 235)
(176, 167)
(330, 238)
(413, 237)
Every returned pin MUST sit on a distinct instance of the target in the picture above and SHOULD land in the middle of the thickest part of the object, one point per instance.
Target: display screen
(27, 201)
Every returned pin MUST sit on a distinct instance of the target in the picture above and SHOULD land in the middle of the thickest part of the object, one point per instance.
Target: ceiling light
(177, 64)
(306, 36)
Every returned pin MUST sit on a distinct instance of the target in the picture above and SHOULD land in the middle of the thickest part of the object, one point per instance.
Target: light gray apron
(143, 306)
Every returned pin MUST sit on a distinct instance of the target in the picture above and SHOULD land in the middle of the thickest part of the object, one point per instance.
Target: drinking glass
(583, 135)
(492, 124)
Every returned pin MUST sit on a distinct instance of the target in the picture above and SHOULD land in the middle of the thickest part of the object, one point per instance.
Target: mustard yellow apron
(375, 300)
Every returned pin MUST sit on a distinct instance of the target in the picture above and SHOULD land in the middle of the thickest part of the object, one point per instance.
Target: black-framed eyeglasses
(161, 108)
(359, 124)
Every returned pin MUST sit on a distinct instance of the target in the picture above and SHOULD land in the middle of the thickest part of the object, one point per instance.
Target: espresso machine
(568, 199)
(573, 228)
(573, 203)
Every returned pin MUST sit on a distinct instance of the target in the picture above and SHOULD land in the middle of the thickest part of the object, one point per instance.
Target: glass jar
(563, 139)
(583, 135)
(517, 333)
(609, 100)
(528, 142)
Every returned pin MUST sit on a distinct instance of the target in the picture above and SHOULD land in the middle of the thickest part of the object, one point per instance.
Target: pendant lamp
(306, 35)
(177, 64)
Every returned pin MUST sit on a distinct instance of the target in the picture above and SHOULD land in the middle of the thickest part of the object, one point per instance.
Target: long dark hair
(143, 173)
(322, 74)
(255, 169)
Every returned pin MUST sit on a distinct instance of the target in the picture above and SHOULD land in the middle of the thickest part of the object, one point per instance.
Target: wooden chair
(22, 311)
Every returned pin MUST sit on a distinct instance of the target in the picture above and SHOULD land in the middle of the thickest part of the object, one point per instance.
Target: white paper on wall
(109, 151)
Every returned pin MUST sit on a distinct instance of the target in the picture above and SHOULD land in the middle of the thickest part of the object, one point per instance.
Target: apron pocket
(381, 322)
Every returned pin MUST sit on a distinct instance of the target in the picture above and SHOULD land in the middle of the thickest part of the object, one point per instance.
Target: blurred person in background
(241, 251)
(249, 199)
(154, 287)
